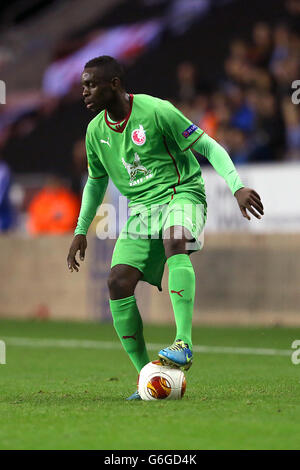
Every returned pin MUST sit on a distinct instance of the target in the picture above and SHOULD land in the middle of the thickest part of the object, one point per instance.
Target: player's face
(97, 92)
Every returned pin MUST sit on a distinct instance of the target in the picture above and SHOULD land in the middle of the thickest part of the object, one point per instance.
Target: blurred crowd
(250, 111)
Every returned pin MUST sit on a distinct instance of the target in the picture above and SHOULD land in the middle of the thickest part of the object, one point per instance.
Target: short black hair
(111, 67)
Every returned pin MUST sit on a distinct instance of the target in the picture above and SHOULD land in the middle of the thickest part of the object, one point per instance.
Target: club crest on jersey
(138, 136)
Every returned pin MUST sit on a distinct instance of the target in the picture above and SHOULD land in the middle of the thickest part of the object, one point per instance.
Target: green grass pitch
(58, 397)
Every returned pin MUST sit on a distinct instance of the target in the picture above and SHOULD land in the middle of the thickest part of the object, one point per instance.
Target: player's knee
(116, 283)
(175, 246)
(120, 286)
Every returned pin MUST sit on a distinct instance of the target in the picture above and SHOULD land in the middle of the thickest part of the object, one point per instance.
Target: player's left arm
(247, 198)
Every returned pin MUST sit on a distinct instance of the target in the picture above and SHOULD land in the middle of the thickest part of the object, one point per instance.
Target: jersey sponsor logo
(189, 130)
(139, 136)
(134, 168)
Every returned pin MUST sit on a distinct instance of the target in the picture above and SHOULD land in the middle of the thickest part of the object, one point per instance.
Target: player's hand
(79, 243)
(249, 200)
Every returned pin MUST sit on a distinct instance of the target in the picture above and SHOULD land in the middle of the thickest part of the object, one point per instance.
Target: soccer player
(144, 145)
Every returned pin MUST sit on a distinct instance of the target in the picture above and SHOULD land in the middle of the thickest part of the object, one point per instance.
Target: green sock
(129, 327)
(182, 293)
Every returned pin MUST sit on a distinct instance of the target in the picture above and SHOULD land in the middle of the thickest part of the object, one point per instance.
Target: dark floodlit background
(231, 67)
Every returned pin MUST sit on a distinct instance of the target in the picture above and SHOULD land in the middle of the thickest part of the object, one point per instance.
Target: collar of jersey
(119, 126)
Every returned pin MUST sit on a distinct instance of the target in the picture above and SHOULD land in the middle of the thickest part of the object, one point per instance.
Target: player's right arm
(92, 197)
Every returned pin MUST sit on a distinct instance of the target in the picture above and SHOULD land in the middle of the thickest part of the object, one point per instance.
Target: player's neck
(120, 108)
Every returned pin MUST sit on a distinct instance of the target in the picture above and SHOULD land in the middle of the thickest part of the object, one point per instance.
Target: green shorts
(140, 243)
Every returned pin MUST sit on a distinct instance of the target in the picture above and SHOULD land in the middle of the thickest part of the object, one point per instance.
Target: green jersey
(147, 155)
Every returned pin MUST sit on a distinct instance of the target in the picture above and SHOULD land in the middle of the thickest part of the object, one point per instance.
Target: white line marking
(88, 344)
